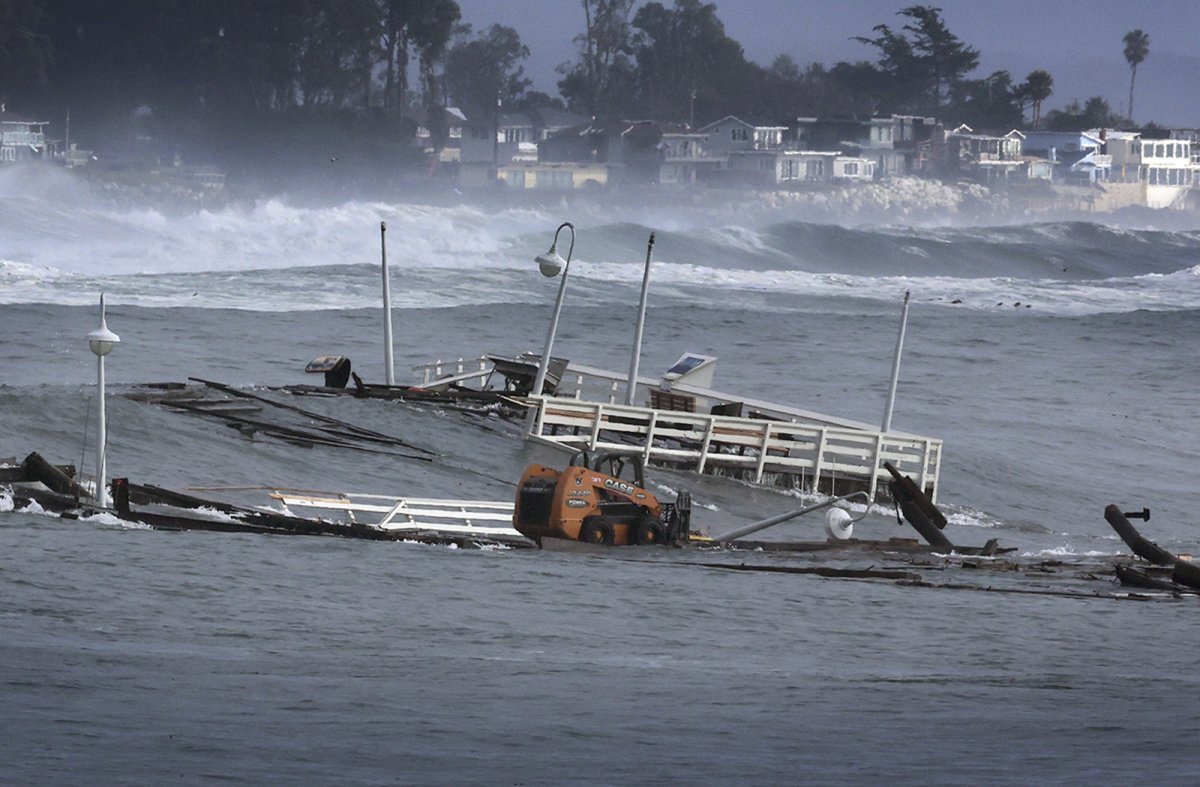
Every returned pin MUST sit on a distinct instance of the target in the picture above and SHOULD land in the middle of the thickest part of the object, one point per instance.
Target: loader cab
(627, 467)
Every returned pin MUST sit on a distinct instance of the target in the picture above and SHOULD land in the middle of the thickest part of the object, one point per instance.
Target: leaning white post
(388, 357)
(891, 397)
(631, 387)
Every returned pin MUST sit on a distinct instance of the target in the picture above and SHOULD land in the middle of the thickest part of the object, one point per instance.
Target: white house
(734, 134)
(21, 139)
(685, 156)
(1162, 168)
(983, 155)
(792, 167)
(454, 120)
(514, 136)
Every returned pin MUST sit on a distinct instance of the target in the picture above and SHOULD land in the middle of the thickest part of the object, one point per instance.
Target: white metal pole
(102, 432)
(388, 358)
(891, 397)
(101, 341)
(631, 387)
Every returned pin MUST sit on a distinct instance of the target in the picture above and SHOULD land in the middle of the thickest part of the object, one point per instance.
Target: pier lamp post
(101, 341)
(551, 264)
(631, 387)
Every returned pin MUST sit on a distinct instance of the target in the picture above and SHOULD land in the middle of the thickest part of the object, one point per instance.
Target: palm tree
(1137, 47)
(1038, 86)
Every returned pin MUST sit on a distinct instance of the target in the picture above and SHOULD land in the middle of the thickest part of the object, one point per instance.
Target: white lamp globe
(102, 340)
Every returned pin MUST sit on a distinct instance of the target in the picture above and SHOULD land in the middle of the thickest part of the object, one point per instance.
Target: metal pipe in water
(763, 524)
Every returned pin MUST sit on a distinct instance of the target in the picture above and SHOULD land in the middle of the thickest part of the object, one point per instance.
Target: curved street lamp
(101, 342)
(550, 264)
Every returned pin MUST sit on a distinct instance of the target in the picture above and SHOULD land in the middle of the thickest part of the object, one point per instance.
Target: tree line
(221, 64)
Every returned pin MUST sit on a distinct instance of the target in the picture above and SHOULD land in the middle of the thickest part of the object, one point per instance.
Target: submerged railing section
(467, 517)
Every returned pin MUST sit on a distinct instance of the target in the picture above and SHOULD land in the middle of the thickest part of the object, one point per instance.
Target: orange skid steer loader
(598, 500)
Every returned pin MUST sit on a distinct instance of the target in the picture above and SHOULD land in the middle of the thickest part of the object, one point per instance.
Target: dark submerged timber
(1152, 573)
(54, 489)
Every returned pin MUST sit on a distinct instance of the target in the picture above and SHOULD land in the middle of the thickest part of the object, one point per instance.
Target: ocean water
(1056, 359)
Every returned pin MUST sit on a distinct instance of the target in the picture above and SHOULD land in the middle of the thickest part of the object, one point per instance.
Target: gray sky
(1077, 41)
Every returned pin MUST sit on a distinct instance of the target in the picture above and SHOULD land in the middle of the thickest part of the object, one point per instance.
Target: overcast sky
(1077, 41)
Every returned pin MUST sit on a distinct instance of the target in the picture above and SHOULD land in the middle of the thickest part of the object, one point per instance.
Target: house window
(815, 169)
(554, 179)
(851, 168)
(738, 134)
(515, 178)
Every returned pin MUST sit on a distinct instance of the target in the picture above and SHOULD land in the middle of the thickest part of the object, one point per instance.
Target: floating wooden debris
(242, 410)
(900, 562)
(1183, 572)
(164, 509)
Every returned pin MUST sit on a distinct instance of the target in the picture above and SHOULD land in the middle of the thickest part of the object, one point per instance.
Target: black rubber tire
(597, 530)
(649, 532)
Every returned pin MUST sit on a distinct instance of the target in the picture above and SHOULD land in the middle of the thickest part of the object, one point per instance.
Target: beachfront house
(783, 168)
(513, 136)
(552, 176)
(449, 121)
(873, 139)
(1075, 156)
(629, 148)
(21, 139)
(686, 158)
(983, 157)
(1161, 170)
(761, 168)
(731, 134)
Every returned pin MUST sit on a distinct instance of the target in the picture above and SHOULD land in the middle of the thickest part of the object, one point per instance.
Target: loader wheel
(649, 532)
(597, 530)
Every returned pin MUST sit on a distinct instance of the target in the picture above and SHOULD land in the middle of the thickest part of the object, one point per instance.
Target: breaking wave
(58, 246)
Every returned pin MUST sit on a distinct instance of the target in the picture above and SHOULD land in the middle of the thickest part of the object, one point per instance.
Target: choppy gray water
(131, 655)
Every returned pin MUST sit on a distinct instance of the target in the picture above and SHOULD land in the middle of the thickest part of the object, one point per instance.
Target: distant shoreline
(900, 200)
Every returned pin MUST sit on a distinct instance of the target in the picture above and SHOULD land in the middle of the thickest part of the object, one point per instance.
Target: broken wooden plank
(366, 434)
(38, 469)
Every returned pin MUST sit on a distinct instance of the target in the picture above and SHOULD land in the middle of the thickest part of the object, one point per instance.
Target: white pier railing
(818, 455)
(466, 517)
(750, 437)
(461, 370)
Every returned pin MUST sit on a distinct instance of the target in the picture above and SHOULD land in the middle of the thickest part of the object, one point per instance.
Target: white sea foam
(1067, 550)
(966, 517)
(263, 257)
(6, 501)
(107, 518)
(289, 290)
